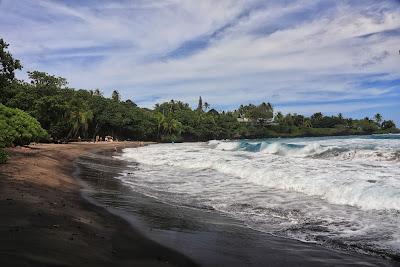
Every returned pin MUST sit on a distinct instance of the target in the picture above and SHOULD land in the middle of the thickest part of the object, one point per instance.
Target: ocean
(340, 192)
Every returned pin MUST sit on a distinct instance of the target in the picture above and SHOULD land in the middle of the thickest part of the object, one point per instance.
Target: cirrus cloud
(295, 53)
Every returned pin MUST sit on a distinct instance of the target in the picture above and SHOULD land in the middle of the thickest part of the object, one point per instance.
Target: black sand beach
(46, 222)
(48, 218)
(205, 236)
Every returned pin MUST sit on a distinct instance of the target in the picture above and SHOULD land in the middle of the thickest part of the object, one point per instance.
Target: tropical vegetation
(17, 128)
(47, 102)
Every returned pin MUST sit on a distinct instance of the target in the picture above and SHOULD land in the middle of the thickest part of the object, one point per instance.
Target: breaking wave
(313, 150)
(344, 190)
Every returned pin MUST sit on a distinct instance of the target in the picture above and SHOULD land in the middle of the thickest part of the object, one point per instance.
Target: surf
(307, 188)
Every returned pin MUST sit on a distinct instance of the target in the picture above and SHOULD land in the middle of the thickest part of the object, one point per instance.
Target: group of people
(106, 139)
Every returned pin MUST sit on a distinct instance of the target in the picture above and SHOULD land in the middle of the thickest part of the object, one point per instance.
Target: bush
(388, 125)
(18, 127)
(3, 156)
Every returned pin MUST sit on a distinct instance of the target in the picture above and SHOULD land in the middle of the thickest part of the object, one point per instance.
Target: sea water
(336, 191)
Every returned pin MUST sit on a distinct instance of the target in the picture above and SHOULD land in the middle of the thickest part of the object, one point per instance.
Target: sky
(303, 56)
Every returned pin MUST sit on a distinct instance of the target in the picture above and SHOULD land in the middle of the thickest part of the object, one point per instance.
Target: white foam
(373, 187)
(349, 186)
(284, 150)
(224, 145)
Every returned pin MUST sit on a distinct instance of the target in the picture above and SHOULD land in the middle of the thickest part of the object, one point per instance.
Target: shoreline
(46, 221)
(209, 237)
(50, 218)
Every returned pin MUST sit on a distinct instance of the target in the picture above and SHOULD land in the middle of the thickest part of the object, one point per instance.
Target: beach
(272, 133)
(46, 222)
(207, 236)
(61, 205)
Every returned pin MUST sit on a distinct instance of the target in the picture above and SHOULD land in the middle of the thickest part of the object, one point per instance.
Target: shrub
(3, 156)
(388, 125)
(18, 127)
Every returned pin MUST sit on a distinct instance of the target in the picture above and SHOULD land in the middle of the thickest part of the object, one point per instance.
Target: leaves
(8, 64)
(68, 113)
(18, 127)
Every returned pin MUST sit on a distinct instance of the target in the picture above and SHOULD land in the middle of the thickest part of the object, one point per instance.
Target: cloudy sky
(301, 55)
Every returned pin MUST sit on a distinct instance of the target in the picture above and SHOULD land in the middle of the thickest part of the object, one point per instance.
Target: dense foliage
(68, 113)
(3, 156)
(18, 128)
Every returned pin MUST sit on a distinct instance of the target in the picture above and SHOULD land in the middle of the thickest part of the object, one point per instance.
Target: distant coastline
(45, 109)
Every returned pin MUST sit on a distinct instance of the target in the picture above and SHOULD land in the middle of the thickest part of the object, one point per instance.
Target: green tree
(80, 119)
(366, 125)
(52, 113)
(389, 124)
(130, 103)
(171, 125)
(45, 80)
(8, 66)
(258, 113)
(160, 118)
(279, 117)
(378, 118)
(67, 113)
(115, 96)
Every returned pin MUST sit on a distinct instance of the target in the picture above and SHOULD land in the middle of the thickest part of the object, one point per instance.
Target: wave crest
(313, 150)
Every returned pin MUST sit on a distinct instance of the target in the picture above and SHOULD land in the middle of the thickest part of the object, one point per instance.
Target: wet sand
(206, 236)
(45, 221)
(60, 205)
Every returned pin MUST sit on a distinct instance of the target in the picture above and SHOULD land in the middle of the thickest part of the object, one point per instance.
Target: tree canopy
(68, 113)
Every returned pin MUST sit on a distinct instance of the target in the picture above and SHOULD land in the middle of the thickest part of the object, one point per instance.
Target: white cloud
(263, 50)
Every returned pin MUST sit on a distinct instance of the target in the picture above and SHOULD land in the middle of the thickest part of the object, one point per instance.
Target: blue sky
(301, 55)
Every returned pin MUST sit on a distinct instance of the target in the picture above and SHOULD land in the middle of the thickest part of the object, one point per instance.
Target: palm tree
(160, 118)
(378, 118)
(172, 125)
(79, 120)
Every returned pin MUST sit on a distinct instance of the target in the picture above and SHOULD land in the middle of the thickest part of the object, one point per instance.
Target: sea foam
(350, 187)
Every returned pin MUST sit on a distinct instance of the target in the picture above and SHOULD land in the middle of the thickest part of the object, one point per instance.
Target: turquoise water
(336, 191)
(255, 145)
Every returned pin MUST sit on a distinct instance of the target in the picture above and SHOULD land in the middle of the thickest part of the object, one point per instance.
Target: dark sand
(206, 236)
(45, 221)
